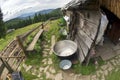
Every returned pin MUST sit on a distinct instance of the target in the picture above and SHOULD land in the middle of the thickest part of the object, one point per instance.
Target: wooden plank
(32, 44)
(4, 74)
(84, 47)
(80, 52)
(84, 37)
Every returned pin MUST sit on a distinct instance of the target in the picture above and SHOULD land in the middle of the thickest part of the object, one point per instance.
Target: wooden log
(7, 65)
(32, 44)
(21, 45)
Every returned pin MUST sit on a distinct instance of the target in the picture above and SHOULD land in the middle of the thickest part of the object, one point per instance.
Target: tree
(2, 27)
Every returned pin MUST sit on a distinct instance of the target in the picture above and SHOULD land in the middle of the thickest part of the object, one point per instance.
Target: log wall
(112, 5)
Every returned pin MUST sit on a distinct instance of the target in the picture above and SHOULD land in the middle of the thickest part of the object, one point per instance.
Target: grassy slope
(12, 35)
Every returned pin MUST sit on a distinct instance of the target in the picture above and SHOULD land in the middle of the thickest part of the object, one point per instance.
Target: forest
(19, 23)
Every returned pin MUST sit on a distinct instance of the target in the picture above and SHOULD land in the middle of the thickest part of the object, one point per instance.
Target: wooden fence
(15, 52)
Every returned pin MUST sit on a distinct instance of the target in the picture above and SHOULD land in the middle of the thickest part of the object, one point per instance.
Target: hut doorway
(113, 28)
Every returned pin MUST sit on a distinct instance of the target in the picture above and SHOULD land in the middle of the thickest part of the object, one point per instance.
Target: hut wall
(112, 5)
(87, 23)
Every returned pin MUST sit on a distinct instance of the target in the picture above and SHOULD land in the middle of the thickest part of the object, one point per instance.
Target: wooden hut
(87, 24)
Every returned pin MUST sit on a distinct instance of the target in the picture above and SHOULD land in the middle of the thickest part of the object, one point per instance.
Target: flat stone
(49, 76)
(25, 66)
(85, 78)
(44, 52)
(110, 69)
(39, 75)
(52, 70)
(41, 69)
(93, 77)
(105, 72)
(29, 67)
(59, 76)
(47, 49)
(104, 67)
(50, 61)
(71, 74)
(46, 68)
(102, 77)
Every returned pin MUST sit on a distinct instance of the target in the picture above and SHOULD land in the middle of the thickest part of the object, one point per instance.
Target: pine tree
(2, 27)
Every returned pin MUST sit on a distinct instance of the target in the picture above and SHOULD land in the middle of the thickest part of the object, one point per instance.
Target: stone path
(48, 72)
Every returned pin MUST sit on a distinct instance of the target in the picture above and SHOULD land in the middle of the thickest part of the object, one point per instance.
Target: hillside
(37, 17)
(12, 35)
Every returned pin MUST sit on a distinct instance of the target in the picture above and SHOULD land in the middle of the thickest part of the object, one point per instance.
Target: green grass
(35, 57)
(84, 70)
(12, 35)
(28, 76)
(114, 75)
(89, 69)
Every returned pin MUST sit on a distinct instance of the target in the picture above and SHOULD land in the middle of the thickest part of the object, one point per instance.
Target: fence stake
(21, 45)
(7, 65)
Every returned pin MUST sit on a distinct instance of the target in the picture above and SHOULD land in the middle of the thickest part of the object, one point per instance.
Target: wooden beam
(7, 65)
(32, 44)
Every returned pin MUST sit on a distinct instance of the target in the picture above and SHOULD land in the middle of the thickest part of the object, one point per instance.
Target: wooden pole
(7, 65)
(21, 45)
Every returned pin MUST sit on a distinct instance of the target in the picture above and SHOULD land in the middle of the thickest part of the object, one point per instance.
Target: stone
(44, 60)
(39, 75)
(24, 66)
(47, 49)
(110, 69)
(59, 76)
(41, 69)
(87, 78)
(52, 70)
(102, 77)
(50, 61)
(46, 68)
(49, 76)
(104, 67)
(29, 67)
(105, 72)
(93, 77)
(71, 74)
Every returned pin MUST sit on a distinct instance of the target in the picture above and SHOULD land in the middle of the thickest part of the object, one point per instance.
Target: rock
(71, 74)
(46, 68)
(93, 77)
(104, 67)
(24, 66)
(105, 72)
(49, 76)
(110, 69)
(86, 78)
(58, 76)
(50, 61)
(44, 61)
(29, 67)
(39, 75)
(47, 49)
(41, 69)
(52, 70)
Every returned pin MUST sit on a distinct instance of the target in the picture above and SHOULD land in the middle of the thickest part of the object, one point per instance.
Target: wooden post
(21, 45)
(7, 65)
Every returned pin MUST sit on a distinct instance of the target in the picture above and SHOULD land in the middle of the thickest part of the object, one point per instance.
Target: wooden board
(32, 44)
(84, 37)
(83, 46)
(80, 52)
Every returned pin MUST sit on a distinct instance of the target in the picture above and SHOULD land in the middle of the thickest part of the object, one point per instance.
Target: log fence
(15, 52)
